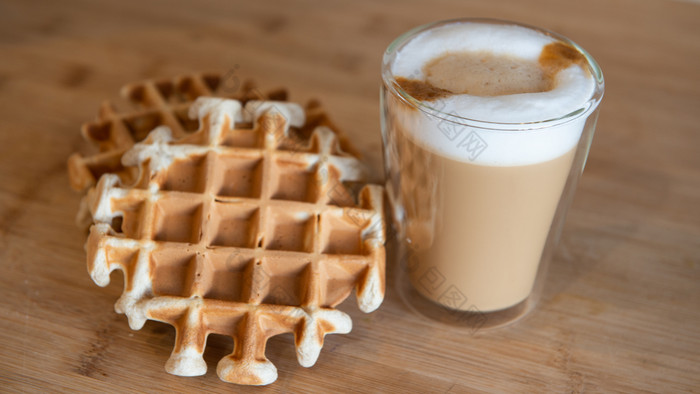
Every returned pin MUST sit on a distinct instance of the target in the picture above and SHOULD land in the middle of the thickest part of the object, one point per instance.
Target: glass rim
(390, 82)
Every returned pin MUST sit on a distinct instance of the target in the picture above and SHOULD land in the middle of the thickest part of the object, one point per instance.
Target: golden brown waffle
(240, 230)
(154, 103)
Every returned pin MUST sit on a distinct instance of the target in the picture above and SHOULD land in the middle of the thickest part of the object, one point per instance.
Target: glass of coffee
(486, 127)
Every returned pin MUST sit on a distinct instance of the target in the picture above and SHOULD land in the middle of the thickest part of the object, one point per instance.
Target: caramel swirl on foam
(421, 90)
(485, 74)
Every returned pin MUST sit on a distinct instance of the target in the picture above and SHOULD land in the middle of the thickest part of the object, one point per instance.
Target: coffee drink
(481, 134)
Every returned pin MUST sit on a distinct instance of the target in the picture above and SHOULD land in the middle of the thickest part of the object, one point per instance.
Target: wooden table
(621, 310)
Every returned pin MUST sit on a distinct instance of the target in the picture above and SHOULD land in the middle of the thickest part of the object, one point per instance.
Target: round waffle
(245, 228)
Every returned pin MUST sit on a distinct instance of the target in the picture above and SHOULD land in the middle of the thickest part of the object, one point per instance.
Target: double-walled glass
(474, 239)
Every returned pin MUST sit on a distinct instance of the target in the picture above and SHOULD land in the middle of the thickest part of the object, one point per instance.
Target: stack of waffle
(238, 221)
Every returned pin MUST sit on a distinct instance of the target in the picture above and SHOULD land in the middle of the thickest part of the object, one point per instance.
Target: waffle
(240, 230)
(154, 103)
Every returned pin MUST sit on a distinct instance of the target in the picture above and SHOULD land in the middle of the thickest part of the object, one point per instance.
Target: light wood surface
(621, 309)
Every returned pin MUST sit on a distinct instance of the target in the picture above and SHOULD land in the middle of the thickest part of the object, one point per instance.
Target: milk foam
(508, 145)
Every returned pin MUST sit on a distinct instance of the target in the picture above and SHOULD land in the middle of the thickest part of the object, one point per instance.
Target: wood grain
(621, 311)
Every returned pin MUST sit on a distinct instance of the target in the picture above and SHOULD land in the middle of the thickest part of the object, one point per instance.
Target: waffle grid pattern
(237, 231)
(151, 103)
